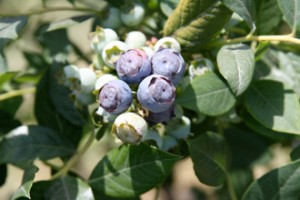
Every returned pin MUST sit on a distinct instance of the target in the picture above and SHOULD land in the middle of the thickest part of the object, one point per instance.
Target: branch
(71, 162)
(262, 38)
(15, 93)
(54, 9)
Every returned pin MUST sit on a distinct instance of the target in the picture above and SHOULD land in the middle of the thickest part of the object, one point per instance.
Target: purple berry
(133, 66)
(156, 93)
(161, 117)
(115, 97)
(169, 63)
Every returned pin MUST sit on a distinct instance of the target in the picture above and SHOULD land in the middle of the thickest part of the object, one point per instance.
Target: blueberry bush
(214, 81)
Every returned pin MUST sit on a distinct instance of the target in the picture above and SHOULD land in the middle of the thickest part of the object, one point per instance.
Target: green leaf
(168, 6)
(131, 170)
(274, 105)
(207, 94)
(11, 105)
(266, 24)
(195, 23)
(30, 142)
(246, 147)
(9, 28)
(65, 23)
(209, 156)
(28, 177)
(281, 183)
(236, 64)
(6, 77)
(38, 189)
(259, 128)
(244, 8)
(295, 154)
(3, 174)
(69, 188)
(7, 122)
(291, 10)
(3, 67)
(54, 109)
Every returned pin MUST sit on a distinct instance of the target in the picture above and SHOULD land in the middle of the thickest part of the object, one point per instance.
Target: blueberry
(87, 79)
(135, 39)
(169, 63)
(156, 93)
(101, 37)
(133, 65)
(132, 13)
(167, 42)
(115, 96)
(112, 51)
(161, 117)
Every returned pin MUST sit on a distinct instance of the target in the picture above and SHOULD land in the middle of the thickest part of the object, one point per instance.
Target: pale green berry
(71, 76)
(135, 39)
(167, 42)
(130, 128)
(106, 116)
(112, 51)
(101, 37)
(132, 14)
(87, 79)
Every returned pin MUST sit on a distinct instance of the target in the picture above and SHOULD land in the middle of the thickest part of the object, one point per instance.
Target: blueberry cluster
(155, 77)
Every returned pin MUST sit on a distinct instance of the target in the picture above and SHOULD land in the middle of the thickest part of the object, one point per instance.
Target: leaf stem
(49, 9)
(15, 93)
(157, 189)
(230, 187)
(261, 38)
(71, 162)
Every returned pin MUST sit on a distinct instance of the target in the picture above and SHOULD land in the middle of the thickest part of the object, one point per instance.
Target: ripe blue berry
(161, 117)
(156, 93)
(133, 65)
(115, 96)
(169, 63)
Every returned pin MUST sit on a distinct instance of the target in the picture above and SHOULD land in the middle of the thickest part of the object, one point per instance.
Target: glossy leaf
(27, 143)
(68, 187)
(207, 94)
(131, 170)
(265, 23)
(65, 23)
(9, 29)
(274, 105)
(28, 177)
(291, 10)
(244, 8)
(209, 156)
(195, 23)
(280, 183)
(236, 64)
